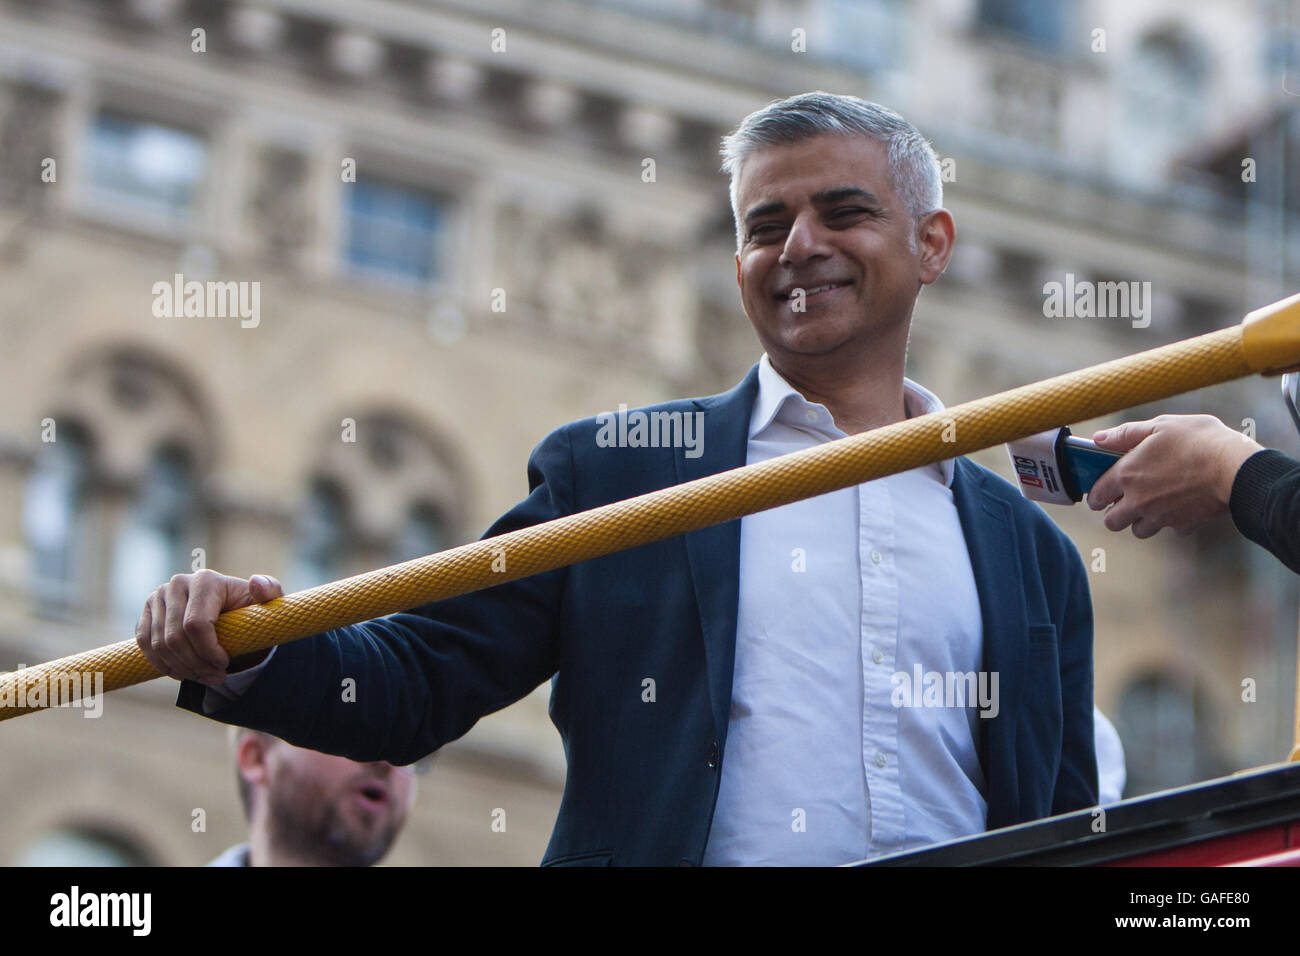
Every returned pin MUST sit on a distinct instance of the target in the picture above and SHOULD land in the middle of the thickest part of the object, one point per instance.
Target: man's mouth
(373, 795)
(809, 291)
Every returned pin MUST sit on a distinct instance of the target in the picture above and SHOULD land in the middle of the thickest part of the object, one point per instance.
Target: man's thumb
(264, 588)
(1123, 437)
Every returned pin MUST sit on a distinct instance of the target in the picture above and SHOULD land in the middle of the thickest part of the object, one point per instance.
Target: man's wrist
(245, 661)
(1235, 454)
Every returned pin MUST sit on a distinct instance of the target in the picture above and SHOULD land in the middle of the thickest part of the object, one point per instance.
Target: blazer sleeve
(1076, 780)
(399, 687)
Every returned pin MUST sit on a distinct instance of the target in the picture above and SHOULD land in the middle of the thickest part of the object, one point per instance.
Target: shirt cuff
(233, 687)
(1250, 488)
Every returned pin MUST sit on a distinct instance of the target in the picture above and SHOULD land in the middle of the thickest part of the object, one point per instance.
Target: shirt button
(713, 754)
(880, 760)
(877, 655)
(811, 415)
(685, 863)
(875, 557)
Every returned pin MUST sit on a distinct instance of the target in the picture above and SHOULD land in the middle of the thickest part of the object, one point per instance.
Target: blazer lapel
(988, 526)
(714, 553)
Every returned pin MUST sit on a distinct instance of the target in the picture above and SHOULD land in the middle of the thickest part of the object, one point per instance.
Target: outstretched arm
(399, 687)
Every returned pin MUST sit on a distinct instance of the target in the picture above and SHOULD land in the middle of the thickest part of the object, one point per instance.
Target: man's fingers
(202, 638)
(144, 637)
(1120, 516)
(162, 656)
(208, 597)
(1124, 437)
(1145, 527)
(1104, 493)
(177, 641)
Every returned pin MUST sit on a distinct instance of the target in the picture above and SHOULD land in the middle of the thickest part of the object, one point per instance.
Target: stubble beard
(326, 838)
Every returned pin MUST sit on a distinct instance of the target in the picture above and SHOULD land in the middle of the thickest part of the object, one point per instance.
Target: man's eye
(769, 227)
(845, 211)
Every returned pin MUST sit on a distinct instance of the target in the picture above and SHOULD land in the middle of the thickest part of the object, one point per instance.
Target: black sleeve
(1265, 504)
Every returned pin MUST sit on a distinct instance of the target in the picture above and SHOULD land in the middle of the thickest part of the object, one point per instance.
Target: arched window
(423, 532)
(321, 537)
(386, 493)
(54, 517)
(82, 846)
(1167, 731)
(113, 505)
(156, 534)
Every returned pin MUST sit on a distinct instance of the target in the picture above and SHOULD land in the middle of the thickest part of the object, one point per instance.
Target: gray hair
(913, 166)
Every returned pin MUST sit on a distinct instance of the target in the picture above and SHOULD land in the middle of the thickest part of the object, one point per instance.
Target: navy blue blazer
(643, 778)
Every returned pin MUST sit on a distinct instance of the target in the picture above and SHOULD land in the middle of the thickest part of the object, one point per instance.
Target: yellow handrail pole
(1267, 342)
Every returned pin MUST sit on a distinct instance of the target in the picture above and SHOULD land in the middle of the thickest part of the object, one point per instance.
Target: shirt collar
(777, 398)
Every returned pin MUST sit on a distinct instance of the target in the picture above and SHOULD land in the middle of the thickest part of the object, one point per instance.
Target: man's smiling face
(822, 216)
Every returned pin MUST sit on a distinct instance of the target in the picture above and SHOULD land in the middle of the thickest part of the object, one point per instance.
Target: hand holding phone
(1055, 467)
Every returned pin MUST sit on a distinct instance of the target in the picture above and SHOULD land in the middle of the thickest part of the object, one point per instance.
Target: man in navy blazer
(838, 228)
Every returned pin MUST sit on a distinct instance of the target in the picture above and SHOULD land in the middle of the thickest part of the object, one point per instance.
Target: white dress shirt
(1111, 768)
(837, 595)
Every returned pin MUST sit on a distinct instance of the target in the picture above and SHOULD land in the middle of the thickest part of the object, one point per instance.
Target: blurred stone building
(470, 222)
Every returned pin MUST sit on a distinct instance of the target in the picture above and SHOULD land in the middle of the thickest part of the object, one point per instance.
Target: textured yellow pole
(1267, 341)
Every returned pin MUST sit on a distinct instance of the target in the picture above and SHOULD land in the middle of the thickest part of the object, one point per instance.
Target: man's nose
(806, 240)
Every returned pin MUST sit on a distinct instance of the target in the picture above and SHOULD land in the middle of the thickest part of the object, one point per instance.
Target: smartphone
(1084, 462)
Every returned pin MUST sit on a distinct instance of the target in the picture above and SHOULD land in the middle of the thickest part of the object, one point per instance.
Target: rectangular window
(1040, 23)
(861, 33)
(150, 167)
(392, 232)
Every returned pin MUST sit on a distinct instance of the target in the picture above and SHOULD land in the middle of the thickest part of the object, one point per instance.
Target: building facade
(427, 233)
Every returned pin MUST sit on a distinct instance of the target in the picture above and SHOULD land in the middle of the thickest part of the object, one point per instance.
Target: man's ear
(738, 285)
(936, 234)
(250, 758)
